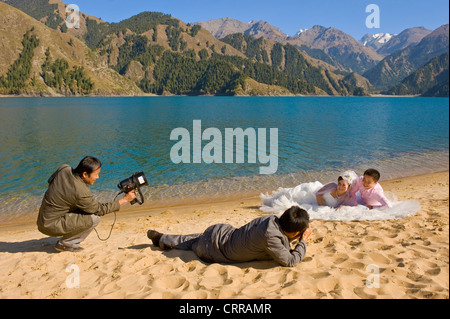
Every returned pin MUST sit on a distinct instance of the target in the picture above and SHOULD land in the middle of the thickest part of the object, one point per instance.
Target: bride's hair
(349, 176)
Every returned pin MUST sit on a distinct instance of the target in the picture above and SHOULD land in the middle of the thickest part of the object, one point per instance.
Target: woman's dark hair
(294, 219)
(373, 173)
(88, 164)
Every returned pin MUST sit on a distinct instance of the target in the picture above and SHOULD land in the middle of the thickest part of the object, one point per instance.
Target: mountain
(156, 30)
(439, 90)
(358, 81)
(299, 32)
(74, 67)
(266, 30)
(53, 14)
(152, 53)
(220, 28)
(406, 38)
(428, 80)
(341, 47)
(397, 66)
(120, 59)
(286, 63)
(327, 44)
(376, 41)
(156, 53)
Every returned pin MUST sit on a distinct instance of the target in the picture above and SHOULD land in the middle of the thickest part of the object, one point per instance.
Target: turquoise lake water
(318, 137)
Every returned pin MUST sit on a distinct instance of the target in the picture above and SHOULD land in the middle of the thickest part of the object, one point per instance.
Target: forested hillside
(155, 53)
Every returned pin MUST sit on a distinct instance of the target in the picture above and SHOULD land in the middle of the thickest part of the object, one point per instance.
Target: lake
(317, 137)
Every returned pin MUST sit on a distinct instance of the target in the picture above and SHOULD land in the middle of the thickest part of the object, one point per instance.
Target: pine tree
(67, 81)
(20, 71)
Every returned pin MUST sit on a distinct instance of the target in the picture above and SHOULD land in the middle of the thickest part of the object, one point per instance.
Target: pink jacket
(374, 196)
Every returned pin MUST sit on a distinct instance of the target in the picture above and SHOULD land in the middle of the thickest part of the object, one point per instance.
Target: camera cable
(112, 226)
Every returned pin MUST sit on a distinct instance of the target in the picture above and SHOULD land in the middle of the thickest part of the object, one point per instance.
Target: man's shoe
(154, 236)
(61, 247)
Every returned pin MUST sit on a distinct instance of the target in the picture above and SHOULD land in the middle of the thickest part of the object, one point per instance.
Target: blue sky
(288, 15)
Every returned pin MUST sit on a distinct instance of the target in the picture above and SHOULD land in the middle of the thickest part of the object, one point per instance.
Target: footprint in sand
(328, 285)
(353, 264)
(380, 259)
(214, 276)
(172, 282)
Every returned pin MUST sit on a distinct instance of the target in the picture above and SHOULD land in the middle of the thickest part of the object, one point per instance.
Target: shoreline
(28, 220)
(206, 95)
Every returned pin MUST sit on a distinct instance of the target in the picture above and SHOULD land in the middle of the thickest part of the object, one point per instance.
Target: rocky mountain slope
(14, 24)
(376, 41)
(430, 80)
(344, 49)
(156, 53)
(220, 28)
(330, 45)
(397, 66)
(406, 38)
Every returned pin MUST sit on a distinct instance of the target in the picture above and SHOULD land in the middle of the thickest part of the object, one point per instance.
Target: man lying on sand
(264, 238)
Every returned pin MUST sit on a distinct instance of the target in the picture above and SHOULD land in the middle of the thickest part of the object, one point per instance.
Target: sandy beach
(407, 258)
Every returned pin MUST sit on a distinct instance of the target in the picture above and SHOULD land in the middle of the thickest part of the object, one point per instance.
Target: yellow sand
(406, 258)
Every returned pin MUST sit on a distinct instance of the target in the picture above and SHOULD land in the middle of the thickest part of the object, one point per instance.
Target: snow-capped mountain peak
(377, 40)
(300, 31)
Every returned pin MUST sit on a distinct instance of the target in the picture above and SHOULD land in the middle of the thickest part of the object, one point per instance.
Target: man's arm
(285, 256)
(88, 204)
(382, 199)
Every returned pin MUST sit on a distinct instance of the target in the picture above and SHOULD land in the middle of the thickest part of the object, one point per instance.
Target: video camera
(134, 182)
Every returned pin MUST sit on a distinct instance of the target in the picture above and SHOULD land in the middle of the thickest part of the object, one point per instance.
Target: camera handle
(136, 200)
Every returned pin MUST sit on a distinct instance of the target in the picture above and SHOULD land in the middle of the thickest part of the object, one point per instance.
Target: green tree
(67, 81)
(15, 80)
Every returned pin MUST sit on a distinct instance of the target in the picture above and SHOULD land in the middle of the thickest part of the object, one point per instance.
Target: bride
(311, 194)
(333, 201)
(335, 195)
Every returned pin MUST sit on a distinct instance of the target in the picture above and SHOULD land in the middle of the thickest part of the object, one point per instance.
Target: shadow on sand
(188, 255)
(34, 245)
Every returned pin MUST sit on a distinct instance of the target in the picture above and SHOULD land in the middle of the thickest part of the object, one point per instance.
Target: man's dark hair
(373, 173)
(88, 164)
(294, 219)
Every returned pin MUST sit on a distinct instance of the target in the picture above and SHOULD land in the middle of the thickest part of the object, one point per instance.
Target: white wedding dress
(304, 195)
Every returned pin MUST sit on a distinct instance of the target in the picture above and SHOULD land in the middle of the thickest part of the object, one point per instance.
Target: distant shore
(152, 95)
(385, 95)
(59, 95)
